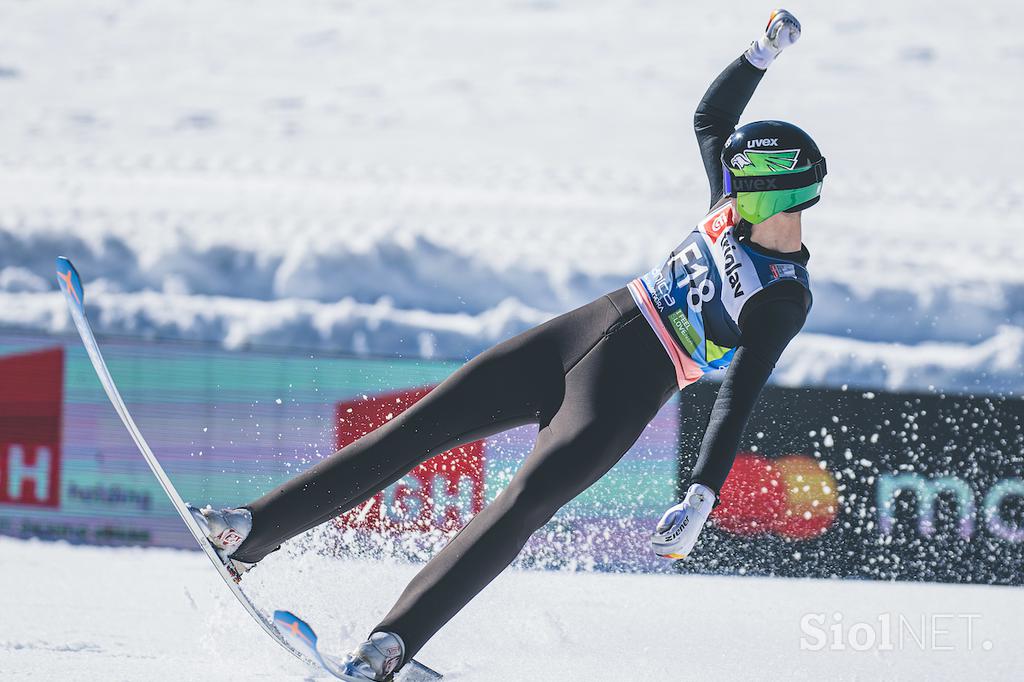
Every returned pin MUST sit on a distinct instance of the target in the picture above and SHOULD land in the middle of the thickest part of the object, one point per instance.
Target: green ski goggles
(759, 197)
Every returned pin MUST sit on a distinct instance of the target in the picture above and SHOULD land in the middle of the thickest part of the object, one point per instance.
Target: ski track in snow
(156, 614)
(344, 178)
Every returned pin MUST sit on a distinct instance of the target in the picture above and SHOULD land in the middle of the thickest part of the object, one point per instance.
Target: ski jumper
(592, 379)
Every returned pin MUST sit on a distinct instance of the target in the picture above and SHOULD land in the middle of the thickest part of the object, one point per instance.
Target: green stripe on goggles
(759, 197)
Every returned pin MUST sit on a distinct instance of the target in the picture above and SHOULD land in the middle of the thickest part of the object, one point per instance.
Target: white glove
(783, 30)
(678, 529)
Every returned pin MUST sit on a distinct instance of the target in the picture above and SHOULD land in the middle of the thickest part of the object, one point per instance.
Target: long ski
(74, 293)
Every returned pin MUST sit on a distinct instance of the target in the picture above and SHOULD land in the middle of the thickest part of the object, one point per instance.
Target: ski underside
(293, 634)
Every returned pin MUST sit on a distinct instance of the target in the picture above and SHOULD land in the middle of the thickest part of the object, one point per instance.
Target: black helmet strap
(768, 183)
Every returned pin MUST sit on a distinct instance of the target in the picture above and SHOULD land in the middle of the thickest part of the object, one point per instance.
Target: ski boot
(225, 529)
(375, 660)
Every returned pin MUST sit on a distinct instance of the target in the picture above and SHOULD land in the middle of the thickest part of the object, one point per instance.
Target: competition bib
(694, 300)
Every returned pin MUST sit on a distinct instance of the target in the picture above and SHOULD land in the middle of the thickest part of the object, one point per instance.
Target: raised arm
(722, 105)
(718, 113)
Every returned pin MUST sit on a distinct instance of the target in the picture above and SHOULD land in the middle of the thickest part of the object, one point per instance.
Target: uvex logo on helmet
(763, 142)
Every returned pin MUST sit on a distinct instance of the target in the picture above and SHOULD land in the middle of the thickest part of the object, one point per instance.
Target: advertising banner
(864, 484)
(442, 494)
(31, 404)
(828, 482)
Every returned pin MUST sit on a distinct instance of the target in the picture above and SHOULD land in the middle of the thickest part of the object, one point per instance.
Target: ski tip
(295, 630)
(70, 283)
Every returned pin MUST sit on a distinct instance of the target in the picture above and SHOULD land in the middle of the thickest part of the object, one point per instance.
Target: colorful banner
(829, 483)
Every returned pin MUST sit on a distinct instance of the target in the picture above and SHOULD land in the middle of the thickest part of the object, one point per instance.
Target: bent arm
(718, 113)
(767, 330)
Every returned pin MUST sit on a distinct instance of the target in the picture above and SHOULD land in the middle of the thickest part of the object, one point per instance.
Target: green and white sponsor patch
(687, 335)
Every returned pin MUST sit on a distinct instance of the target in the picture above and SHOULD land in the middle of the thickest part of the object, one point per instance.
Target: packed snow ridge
(296, 179)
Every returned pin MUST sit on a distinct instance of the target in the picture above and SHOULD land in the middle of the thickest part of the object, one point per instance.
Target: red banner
(442, 493)
(31, 402)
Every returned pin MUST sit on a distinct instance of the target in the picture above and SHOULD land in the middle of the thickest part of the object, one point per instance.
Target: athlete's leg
(610, 397)
(511, 384)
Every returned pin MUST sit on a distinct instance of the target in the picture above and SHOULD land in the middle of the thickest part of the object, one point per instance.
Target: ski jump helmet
(771, 167)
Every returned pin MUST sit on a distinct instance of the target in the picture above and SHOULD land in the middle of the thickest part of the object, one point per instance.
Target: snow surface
(428, 179)
(88, 613)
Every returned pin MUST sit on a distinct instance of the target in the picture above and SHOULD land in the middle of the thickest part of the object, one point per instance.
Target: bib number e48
(701, 288)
